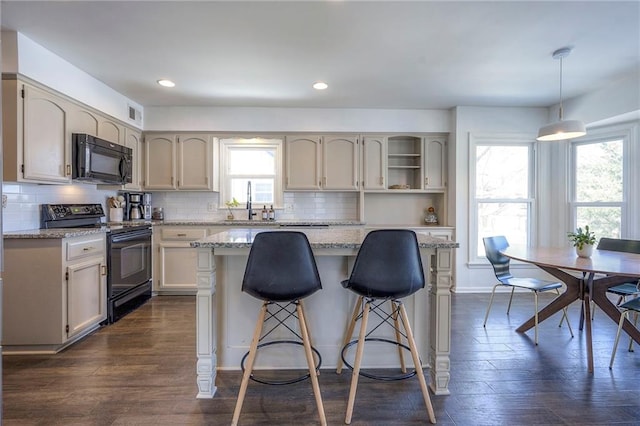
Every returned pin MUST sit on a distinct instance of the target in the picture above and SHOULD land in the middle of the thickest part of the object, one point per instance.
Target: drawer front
(85, 248)
(183, 234)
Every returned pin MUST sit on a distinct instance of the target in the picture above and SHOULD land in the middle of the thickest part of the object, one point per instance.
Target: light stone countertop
(259, 223)
(58, 233)
(325, 238)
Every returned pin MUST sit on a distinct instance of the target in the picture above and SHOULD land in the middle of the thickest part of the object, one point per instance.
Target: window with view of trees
(502, 188)
(598, 198)
(251, 160)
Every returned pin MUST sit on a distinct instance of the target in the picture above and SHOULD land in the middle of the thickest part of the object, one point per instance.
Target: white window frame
(257, 143)
(509, 140)
(604, 134)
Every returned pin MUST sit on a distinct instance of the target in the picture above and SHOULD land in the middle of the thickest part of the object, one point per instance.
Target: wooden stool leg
(349, 333)
(417, 365)
(308, 332)
(396, 325)
(249, 367)
(356, 367)
(312, 367)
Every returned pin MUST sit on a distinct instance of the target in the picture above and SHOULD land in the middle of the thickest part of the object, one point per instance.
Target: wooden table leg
(586, 308)
(572, 293)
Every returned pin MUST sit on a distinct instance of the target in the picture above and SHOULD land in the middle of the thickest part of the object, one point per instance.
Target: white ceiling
(379, 54)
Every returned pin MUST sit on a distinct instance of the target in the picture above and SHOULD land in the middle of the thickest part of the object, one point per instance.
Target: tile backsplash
(22, 209)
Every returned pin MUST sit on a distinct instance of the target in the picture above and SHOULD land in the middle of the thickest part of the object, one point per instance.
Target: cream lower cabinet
(55, 291)
(175, 260)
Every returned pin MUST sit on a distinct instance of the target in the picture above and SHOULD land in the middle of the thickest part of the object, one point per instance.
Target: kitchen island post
(225, 317)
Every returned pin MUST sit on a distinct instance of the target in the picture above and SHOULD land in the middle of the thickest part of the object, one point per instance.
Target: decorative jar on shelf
(431, 218)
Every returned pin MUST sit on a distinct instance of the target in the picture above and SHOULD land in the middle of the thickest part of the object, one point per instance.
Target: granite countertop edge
(318, 239)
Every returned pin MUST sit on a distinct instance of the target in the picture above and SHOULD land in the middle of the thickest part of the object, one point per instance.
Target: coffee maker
(135, 206)
(138, 206)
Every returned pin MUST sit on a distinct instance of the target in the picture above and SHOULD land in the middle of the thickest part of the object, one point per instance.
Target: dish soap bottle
(272, 213)
(265, 213)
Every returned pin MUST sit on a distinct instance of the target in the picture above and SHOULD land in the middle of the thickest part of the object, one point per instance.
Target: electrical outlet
(211, 207)
(4, 201)
(288, 207)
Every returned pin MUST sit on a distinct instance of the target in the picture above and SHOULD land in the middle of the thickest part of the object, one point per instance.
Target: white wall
(295, 120)
(20, 55)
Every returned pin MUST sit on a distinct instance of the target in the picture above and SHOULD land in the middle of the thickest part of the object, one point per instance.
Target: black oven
(99, 161)
(128, 253)
(129, 270)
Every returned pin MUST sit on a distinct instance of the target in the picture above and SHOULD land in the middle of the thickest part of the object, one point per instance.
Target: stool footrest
(392, 378)
(282, 382)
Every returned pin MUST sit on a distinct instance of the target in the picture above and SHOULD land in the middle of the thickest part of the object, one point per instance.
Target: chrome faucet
(249, 207)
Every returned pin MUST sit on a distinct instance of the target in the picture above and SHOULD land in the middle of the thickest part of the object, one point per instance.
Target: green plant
(580, 237)
(230, 204)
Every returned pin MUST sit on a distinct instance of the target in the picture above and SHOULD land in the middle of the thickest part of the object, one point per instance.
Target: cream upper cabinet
(133, 140)
(303, 162)
(110, 131)
(82, 120)
(340, 163)
(195, 162)
(434, 162)
(321, 162)
(160, 161)
(404, 162)
(374, 168)
(179, 162)
(36, 139)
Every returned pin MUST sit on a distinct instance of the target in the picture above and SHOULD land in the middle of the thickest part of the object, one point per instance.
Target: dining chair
(387, 268)
(627, 246)
(624, 290)
(631, 305)
(500, 263)
(281, 271)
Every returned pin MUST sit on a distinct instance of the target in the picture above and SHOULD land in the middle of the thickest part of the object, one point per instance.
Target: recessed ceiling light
(320, 85)
(166, 83)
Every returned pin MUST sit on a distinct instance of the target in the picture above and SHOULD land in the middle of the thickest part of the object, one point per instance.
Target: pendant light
(562, 129)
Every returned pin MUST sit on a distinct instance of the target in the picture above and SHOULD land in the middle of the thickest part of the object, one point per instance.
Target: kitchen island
(225, 317)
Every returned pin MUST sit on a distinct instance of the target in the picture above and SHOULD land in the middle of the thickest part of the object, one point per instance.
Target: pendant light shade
(561, 129)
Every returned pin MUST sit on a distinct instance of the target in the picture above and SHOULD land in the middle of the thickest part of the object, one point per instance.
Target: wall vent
(135, 115)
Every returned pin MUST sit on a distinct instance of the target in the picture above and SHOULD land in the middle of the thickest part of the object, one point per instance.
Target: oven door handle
(131, 235)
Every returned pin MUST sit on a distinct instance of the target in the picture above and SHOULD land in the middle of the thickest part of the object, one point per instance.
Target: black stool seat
(281, 267)
(281, 271)
(388, 266)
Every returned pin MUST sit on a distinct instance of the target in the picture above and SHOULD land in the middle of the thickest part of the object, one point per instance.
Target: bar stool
(387, 268)
(281, 271)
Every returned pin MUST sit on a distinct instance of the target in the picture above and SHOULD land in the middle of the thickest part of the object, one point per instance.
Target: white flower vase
(585, 251)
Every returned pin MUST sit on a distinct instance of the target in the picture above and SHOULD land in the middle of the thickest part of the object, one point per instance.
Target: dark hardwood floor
(141, 371)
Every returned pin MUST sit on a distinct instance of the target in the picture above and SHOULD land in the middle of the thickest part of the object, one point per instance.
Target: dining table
(586, 278)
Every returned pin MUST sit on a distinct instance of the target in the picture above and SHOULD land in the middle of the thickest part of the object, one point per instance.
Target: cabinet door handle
(87, 248)
(104, 269)
(68, 170)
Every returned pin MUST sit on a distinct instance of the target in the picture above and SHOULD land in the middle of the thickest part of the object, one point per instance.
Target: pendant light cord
(560, 111)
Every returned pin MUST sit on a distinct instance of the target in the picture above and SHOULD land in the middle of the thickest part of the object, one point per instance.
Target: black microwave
(99, 161)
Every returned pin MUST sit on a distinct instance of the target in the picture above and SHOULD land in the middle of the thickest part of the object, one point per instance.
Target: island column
(206, 323)
(440, 269)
